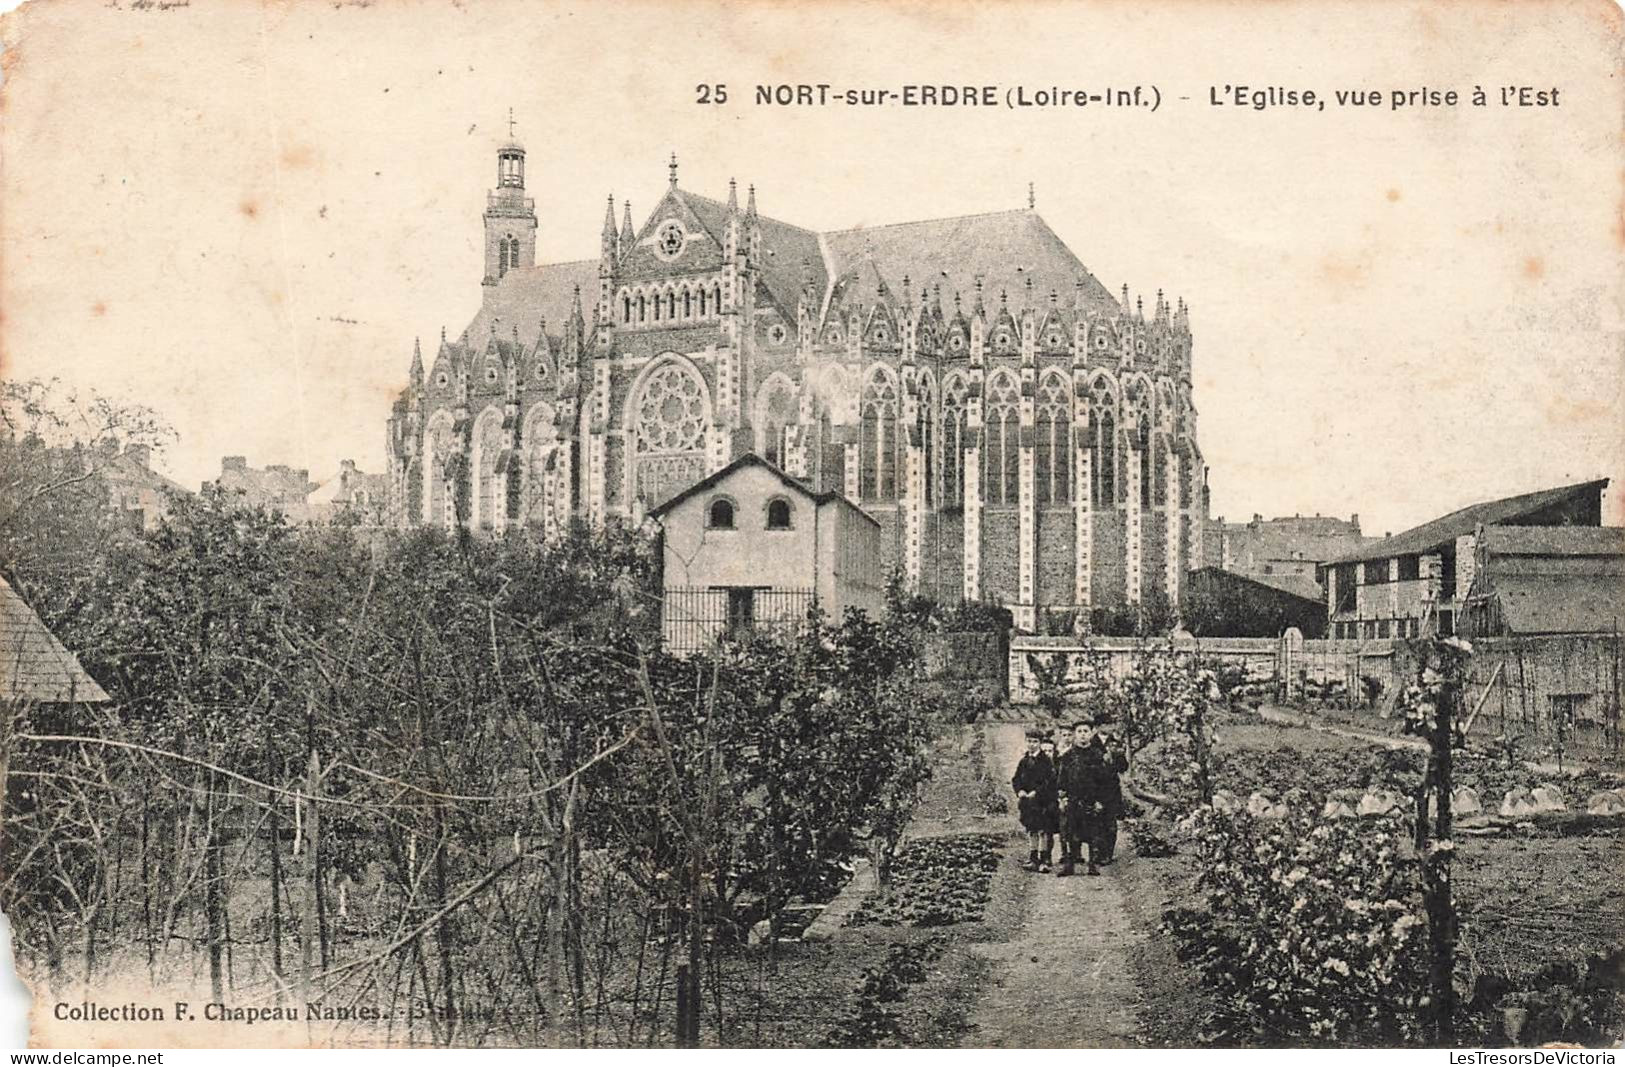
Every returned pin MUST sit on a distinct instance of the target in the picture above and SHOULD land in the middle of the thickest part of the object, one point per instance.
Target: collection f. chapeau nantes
(218, 1012)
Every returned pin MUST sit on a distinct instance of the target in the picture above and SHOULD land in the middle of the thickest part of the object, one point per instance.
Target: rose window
(671, 412)
(669, 239)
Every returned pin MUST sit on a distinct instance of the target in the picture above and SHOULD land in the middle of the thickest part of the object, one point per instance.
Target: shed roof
(33, 664)
(751, 459)
(1442, 531)
(1554, 540)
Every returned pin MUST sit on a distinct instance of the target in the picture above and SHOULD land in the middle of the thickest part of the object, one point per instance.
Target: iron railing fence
(696, 619)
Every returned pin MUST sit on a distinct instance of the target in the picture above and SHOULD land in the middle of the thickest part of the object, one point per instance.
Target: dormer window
(720, 516)
(778, 514)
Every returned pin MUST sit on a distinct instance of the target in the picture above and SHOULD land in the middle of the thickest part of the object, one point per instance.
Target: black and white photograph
(866, 525)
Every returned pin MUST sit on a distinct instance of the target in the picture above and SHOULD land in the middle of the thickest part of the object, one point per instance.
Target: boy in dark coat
(1114, 763)
(1034, 785)
(1081, 786)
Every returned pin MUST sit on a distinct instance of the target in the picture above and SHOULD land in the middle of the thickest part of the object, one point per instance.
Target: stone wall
(1318, 660)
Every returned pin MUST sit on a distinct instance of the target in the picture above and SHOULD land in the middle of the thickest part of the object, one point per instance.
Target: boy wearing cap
(1034, 785)
(1080, 787)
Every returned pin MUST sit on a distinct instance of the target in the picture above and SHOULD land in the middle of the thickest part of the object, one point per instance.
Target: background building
(350, 492)
(276, 487)
(1017, 431)
(1286, 552)
(1388, 587)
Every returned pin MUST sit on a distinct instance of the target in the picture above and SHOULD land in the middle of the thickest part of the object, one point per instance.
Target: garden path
(1062, 978)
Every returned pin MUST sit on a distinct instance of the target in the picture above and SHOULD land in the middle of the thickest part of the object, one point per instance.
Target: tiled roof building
(34, 666)
(1019, 432)
(1395, 585)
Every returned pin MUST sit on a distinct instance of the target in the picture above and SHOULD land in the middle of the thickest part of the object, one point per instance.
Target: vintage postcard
(879, 523)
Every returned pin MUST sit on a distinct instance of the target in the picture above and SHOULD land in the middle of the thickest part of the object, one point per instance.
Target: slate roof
(1267, 585)
(1554, 540)
(1299, 585)
(33, 664)
(751, 459)
(790, 254)
(1442, 531)
(526, 295)
(1561, 603)
(1003, 248)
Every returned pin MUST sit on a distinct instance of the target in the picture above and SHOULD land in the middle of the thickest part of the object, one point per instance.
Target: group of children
(1072, 788)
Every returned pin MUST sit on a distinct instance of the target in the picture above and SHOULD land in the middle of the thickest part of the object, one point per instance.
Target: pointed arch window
(716, 298)
(1102, 446)
(439, 471)
(1142, 444)
(1159, 470)
(702, 302)
(877, 439)
(777, 413)
(688, 304)
(671, 305)
(669, 419)
(953, 442)
(1001, 469)
(643, 309)
(926, 425)
(540, 440)
(1052, 450)
(626, 309)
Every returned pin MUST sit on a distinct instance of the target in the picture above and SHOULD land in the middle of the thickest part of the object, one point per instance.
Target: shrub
(1312, 931)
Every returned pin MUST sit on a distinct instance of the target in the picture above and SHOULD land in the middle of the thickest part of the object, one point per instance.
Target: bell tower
(510, 215)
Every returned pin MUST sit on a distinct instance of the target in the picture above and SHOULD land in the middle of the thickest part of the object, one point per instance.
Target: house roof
(1300, 585)
(1561, 603)
(1445, 530)
(1554, 540)
(33, 664)
(1256, 585)
(751, 459)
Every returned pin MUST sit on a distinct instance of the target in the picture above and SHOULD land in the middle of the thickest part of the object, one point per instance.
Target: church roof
(788, 251)
(1003, 248)
(526, 295)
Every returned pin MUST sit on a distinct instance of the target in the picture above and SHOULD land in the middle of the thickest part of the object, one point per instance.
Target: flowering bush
(1168, 703)
(1312, 931)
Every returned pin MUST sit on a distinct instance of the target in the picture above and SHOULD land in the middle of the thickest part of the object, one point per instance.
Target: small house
(750, 546)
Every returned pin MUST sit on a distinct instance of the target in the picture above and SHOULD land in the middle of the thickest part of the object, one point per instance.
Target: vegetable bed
(935, 881)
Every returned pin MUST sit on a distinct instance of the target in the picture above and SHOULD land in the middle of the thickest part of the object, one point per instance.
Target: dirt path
(1061, 978)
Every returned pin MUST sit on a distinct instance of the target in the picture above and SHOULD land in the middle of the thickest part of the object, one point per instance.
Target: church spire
(733, 197)
(672, 167)
(417, 362)
(628, 235)
(750, 204)
(610, 244)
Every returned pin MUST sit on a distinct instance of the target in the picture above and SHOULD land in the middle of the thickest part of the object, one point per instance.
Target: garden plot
(936, 881)
(1541, 903)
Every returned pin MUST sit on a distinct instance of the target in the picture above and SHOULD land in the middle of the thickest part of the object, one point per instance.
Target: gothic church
(1021, 434)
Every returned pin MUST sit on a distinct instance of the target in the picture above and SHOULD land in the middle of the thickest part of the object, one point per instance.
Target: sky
(241, 214)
